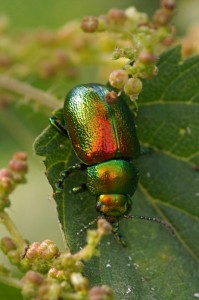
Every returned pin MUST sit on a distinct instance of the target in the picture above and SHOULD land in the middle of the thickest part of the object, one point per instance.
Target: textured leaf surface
(154, 265)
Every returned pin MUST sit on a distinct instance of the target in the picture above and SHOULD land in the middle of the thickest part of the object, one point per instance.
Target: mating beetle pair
(103, 136)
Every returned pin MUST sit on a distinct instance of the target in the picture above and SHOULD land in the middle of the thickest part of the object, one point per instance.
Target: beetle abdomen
(99, 131)
(116, 176)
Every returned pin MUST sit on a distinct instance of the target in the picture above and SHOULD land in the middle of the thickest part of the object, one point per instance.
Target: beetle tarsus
(65, 173)
(58, 126)
(117, 235)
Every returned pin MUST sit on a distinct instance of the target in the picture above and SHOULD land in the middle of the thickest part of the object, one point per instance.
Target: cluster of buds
(51, 274)
(163, 16)
(37, 286)
(120, 80)
(53, 56)
(10, 249)
(113, 20)
(64, 266)
(60, 274)
(144, 40)
(40, 256)
(64, 52)
(13, 252)
(60, 64)
(12, 176)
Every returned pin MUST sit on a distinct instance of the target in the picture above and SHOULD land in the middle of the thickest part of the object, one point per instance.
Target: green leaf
(9, 293)
(154, 265)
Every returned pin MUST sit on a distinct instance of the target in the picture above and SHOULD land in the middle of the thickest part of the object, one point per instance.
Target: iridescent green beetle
(103, 136)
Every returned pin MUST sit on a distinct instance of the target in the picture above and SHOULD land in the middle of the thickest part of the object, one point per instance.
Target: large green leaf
(154, 265)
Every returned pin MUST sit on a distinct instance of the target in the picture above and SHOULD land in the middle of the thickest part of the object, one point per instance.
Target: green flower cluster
(49, 273)
(139, 42)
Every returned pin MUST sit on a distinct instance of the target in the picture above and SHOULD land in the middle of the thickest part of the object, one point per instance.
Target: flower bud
(116, 16)
(79, 282)
(146, 57)
(133, 86)
(53, 272)
(5, 173)
(18, 166)
(7, 183)
(32, 252)
(7, 244)
(135, 16)
(162, 17)
(47, 250)
(20, 156)
(6, 186)
(89, 24)
(169, 4)
(14, 257)
(116, 54)
(33, 277)
(118, 78)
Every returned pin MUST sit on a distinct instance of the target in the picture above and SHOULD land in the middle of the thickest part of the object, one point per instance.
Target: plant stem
(7, 280)
(8, 223)
(28, 91)
(89, 250)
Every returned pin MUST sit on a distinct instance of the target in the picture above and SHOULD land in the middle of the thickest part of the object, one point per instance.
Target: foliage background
(20, 125)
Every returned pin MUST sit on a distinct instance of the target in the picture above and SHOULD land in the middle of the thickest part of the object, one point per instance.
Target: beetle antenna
(85, 227)
(167, 225)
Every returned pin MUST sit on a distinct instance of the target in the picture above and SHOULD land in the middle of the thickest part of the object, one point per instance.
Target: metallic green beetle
(103, 136)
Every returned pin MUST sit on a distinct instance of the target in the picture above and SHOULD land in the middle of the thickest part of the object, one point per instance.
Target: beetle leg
(65, 173)
(58, 126)
(117, 235)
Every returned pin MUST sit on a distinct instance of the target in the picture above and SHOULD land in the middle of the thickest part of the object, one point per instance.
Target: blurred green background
(52, 13)
(29, 13)
(33, 208)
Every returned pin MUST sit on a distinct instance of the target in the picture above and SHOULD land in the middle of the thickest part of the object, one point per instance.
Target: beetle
(102, 130)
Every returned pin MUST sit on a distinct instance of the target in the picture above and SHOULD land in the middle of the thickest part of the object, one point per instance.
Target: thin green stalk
(8, 223)
(28, 91)
(7, 280)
